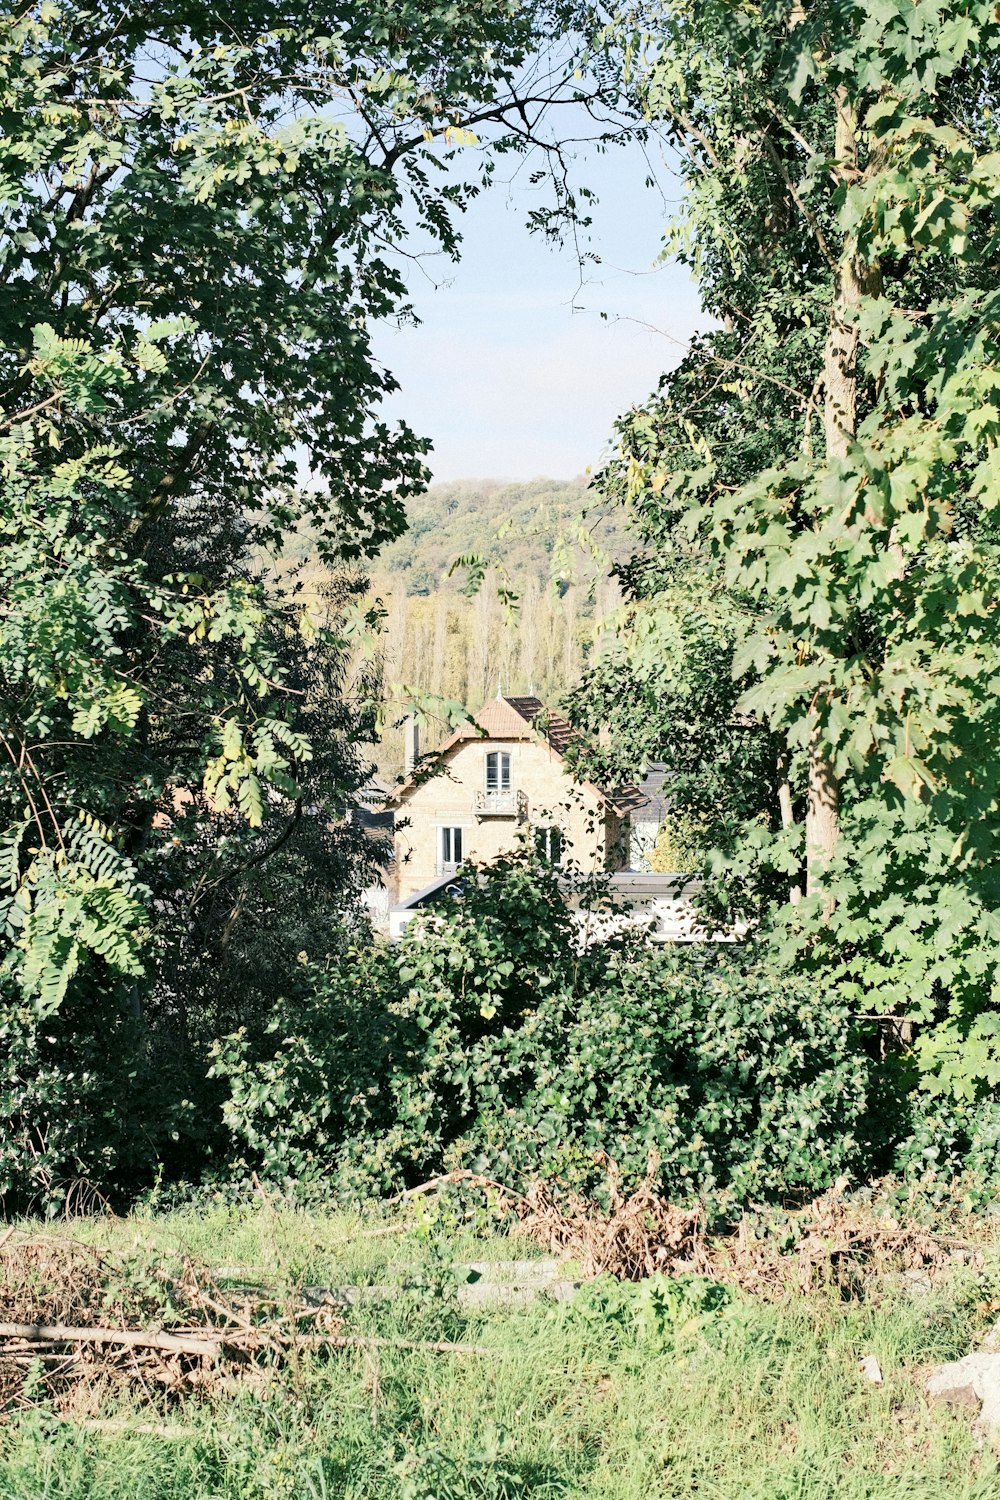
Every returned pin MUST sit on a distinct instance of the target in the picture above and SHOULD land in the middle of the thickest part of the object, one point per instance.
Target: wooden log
(126, 1338)
(58, 1333)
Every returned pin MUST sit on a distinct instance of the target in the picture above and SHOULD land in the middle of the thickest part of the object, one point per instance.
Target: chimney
(411, 753)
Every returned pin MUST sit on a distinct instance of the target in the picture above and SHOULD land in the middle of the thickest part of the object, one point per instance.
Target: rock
(871, 1369)
(967, 1383)
(503, 1284)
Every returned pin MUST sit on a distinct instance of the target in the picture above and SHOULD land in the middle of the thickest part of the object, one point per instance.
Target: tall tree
(203, 211)
(841, 169)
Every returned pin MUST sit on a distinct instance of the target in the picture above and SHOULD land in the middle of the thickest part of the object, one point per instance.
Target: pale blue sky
(513, 373)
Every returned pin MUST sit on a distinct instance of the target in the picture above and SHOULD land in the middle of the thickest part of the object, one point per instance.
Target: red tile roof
(521, 719)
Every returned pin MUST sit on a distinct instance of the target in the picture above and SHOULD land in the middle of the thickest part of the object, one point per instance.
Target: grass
(644, 1393)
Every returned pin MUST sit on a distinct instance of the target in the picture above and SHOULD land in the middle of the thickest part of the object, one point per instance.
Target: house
(501, 776)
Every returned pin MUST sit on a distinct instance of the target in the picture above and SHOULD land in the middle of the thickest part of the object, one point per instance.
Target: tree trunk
(822, 818)
(787, 814)
(840, 422)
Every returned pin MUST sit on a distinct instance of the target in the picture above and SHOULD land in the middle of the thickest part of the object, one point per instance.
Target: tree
(840, 164)
(202, 216)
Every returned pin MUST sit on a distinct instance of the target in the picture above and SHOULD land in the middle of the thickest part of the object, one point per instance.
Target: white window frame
(450, 838)
(502, 760)
(545, 835)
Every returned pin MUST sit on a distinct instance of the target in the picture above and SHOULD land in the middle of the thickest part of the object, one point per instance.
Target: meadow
(664, 1388)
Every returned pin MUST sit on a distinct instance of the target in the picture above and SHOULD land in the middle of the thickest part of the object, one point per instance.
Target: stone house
(497, 779)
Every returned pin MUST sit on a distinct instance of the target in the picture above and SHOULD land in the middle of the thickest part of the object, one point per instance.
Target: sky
(513, 372)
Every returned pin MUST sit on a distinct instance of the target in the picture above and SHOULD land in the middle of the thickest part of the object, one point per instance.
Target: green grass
(625, 1394)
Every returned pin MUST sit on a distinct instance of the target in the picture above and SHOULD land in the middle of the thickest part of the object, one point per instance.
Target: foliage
(680, 845)
(82, 1112)
(662, 685)
(237, 907)
(534, 520)
(202, 217)
(491, 1037)
(950, 1151)
(840, 214)
(201, 220)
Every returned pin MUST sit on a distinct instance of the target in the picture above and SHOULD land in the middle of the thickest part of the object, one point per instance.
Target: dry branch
(82, 1318)
(451, 1179)
(127, 1338)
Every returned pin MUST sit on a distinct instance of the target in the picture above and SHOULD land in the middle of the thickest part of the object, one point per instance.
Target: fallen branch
(474, 1179)
(128, 1338)
(208, 1348)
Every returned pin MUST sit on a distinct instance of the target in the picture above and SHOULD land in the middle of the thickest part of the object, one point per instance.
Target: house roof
(520, 719)
(373, 793)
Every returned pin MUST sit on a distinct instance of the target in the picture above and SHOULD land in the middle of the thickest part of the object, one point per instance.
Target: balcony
(508, 804)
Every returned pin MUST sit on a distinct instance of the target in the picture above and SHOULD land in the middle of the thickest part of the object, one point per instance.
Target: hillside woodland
(525, 609)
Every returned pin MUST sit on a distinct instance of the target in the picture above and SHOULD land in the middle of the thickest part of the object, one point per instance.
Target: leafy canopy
(201, 217)
(828, 460)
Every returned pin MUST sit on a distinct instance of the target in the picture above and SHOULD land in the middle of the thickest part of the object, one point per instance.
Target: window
(498, 771)
(549, 845)
(642, 837)
(449, 847)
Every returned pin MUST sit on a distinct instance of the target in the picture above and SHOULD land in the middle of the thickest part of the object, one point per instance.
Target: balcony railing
(511, 804)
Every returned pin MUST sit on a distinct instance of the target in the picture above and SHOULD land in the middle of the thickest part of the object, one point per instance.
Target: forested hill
(469, 516)
(553, 544)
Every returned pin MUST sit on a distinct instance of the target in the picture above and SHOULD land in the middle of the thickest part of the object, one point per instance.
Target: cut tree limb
(212, 1348)
(127, 1338)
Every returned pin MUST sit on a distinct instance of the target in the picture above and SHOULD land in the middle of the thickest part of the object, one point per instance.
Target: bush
(488, 1039)
(71, 1126)
(949, 1149)
(738, 1079)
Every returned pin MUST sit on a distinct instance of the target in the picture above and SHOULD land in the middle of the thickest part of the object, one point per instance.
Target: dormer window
(498, 771)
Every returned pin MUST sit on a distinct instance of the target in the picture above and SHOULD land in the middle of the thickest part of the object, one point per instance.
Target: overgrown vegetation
(811, 641)
(626, 1392)
(202, 218)
(491, 1038)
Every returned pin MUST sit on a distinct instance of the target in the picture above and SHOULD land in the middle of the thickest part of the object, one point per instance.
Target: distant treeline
(549, 542)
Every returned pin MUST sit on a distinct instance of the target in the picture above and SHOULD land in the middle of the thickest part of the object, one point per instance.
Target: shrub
(487, 1038)
(71, 1082)
(949, 1149)
(737, 1078)
(321, 1101)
